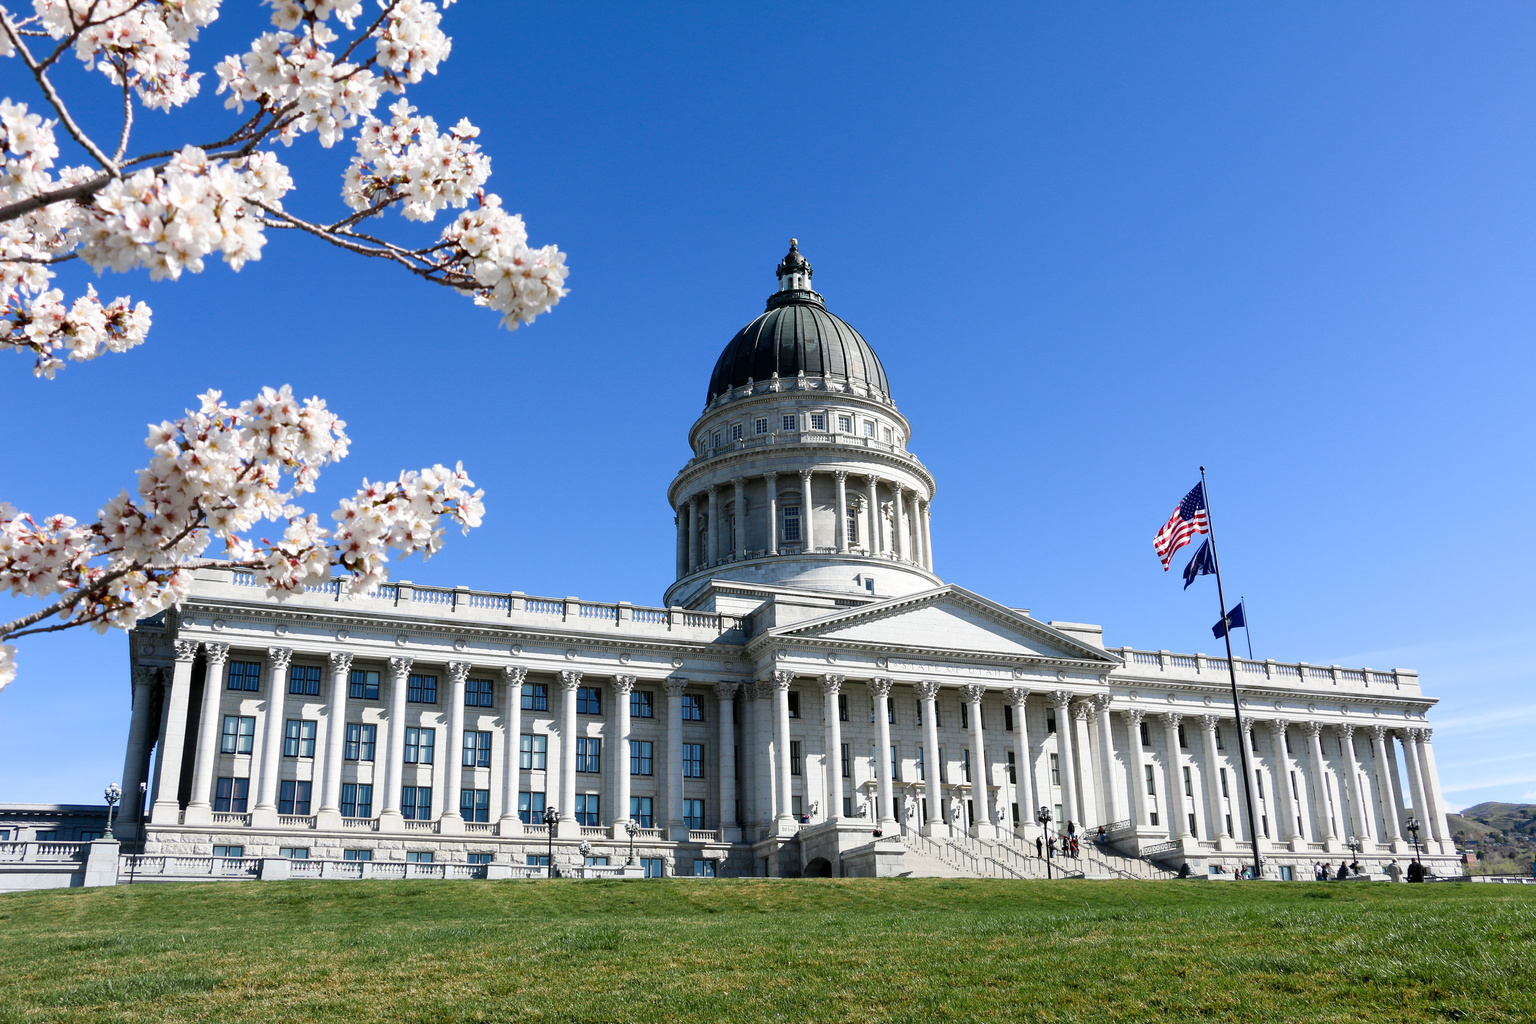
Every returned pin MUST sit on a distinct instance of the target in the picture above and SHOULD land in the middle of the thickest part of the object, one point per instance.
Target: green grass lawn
(750, 950)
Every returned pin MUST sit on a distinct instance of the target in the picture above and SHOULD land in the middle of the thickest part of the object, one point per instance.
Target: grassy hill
(1502, 835)
(759, 950)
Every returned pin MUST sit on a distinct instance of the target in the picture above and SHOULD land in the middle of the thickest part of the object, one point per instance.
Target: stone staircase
(968, 857)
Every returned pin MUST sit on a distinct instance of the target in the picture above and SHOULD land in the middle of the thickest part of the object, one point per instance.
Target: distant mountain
(1492, 826)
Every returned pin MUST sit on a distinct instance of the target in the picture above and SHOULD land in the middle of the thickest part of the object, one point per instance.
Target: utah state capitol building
(810, 681)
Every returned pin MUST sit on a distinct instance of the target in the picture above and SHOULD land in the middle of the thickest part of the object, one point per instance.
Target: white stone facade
(810, 681)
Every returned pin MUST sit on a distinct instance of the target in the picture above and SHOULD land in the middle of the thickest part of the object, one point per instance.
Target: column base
(567, 828)
(450, 825)
(729, 833)
(1297, 844)
(198, 814)
(1332, 844)
(1226, 844)
(264, 817)
(785, 825)
(328, 819)
(617, 831)
(984, 830)
(391, 821)
(677, 833)
(510, 826)
(165, 812)
(1402, 847)
(936, 830)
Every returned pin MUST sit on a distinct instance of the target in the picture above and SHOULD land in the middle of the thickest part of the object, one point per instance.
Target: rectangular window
(787, 422)
(943, 767)
(293, 797)
(792, 523)
(589, 751)
(475, 804)
(842, 707)
(895, 766)
(230, 795)
(794, 757)
(1189, 785)
(760, 425)
(1055, 769)
(847, 763)
(640, 811)
(869, 428)
(419, 744)
(965, 715)
(535, 697)
(588, 809)
(693, 813)
(293, 852)
(363, 685)
(418, 856)
(589, 700)
(1050, 719)
(530, 808)
(537, 860)
(1258, 779)
(244, 675)
(715, 439)
(703, 868)
(416, 803)
(965, 764)
(533, 753)
(797, 807)
(818, 421)
(654, 867)
(1013, 773)
(693, 760)
(299, 738)
(356, 800)
(1224, 792)
(233, 852)
(845, 424)
(922, 772)
(642, 704)
(239, 734)
(477, 750)
(304, 680)
(736, 432)
(640, 758)
(480, 693)
(888, 441)
(421, 689)
(794, 704)
(1146, 737)
(360, 742)
(1220, 746)
(361, 855)
(1008, 718)
(1183, 741)
(693, 708)
(1151, 783)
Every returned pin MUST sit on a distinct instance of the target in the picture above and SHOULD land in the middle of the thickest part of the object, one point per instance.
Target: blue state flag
(1234, 620)
(1203, 564)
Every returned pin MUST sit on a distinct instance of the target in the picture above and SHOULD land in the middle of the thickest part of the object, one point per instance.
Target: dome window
(869, 428)
(760, 425)
(787, 423)
(887, 435)
(845, 424)
(715, 439)
(819, 421)
(736, 431)
(792, 524)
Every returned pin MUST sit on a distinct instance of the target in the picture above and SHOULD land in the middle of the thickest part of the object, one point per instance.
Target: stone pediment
(948, 620)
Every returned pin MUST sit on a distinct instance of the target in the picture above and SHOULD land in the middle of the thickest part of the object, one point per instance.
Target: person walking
(1394, 872)
(1343, 872)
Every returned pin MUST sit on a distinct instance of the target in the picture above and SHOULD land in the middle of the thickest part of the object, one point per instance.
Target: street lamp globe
(113, 793)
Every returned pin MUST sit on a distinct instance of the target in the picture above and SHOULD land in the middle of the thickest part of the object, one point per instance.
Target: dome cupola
(796, 337)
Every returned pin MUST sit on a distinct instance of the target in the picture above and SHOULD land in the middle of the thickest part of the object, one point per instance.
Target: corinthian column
(1292, 827)
(167, 808)
(1062, 701)
(452, 820)
(771, 482)
(786, 817)
(881, 689)
(807, 511)
(264, 815)
(740, 538)
(842, 511)
(623, 686)
(695, 557)
(1116, 809)
(1320, 808)
(981, 825)
(1139, 808)
(394, 764)
(200, 807)
(1358, 824)
(512, 677)
(1212, 777)
(1386, 791)
(898, 529)
(136, 757)
(876, 542)
(682, 539)
(677, 827)
(1018, 697)
(1436, 802)
(712, 541)
(570, 680)
(329, 815)
(933, 771)
(725, 696)
(1178, 827)
(831, 686)
(927, 538)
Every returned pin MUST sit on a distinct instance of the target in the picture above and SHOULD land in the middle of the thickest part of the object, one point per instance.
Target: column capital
(771, 477)
(782, 678)
(805, 474)
(874, 479)
(831, 684)
(1210, 722)
(1018, 695)
(749, 690)
(623, 685)
(1101, 702)
(726, 690)
(1134, 717)
(693, 501)
(928, 689)
(400, 667)
(458, 671)
(514, 675)
(1061, 698)
(277, 657)
(1082, 710)
(1312, 729)
(1278, 726)
(217, 653)
(341, 661)
(143, 675)
(973, 692)
(570, 678)
(880, 687)
(675, 686)
(738, 481)
(1378, 733)
(186, 650)
(1345, 731)
(840, 474)
(1425, 733)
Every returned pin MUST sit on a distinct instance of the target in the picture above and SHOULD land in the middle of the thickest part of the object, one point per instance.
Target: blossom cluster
(409, 160)
(143, 45)
(169, 220)
(487, 255)
(83, 331)
(214, 474)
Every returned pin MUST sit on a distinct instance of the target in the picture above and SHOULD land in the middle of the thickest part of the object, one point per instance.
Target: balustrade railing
(295, 821)
(42, 852)
(230, 818)
(1164, 661)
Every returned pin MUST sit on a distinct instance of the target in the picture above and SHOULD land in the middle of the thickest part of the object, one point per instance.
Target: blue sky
(1095, 247)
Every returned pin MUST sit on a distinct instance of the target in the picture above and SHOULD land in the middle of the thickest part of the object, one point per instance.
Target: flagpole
(1237, 704)
(1247, 633)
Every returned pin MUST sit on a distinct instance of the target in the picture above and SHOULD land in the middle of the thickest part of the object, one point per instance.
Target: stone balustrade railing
(1208, 668)
(806, 437)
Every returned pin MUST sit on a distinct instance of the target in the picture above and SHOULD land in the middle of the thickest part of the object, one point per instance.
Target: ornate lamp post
(114, 793)
(551, 819)
(586, 851)
(1412, 825)
(1043, 816)
(632, 829)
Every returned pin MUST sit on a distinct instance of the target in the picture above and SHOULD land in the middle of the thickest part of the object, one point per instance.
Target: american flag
(1187, 520)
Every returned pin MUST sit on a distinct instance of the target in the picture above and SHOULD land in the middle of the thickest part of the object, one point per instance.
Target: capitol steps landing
(968, 857)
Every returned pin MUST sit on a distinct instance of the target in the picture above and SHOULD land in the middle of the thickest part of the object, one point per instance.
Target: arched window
(853, 525)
